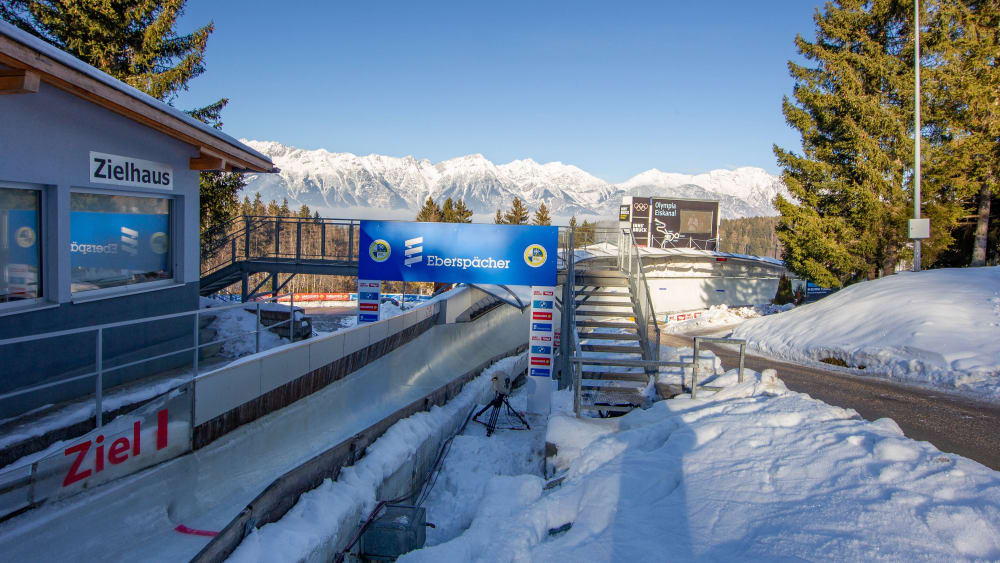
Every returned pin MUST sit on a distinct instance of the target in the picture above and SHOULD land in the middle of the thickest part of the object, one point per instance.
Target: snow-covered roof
(45, 55)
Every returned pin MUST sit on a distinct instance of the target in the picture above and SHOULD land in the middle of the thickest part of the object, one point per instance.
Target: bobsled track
(135, 518)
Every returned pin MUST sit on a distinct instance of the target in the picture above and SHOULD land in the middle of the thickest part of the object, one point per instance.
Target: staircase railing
(630, 262)
(252, 237)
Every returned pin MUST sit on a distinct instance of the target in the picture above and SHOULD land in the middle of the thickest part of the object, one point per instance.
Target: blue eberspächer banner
(458, 253)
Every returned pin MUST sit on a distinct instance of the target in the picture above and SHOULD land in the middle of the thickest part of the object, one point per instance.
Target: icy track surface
(937, 327)
(755, 472)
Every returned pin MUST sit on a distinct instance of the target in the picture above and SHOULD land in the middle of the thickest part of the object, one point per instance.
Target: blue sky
(615, 88)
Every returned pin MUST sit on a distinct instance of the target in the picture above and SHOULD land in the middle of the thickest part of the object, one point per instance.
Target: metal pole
(743, 351)
(916, 129)
(298, 240)
(291, 314)
(258, 327)
(194, 361)
(100, 376)
(694, 372)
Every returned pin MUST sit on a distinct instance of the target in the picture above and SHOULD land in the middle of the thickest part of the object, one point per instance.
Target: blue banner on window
(119, 241)
(458, 252)
(23, 235)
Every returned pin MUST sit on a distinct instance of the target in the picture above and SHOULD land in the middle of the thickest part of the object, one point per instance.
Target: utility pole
(916, 133)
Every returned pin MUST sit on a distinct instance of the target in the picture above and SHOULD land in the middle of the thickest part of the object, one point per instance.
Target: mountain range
(389, 186)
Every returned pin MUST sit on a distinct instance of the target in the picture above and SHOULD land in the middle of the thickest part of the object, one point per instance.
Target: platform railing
(630, 262)
(694, 369)
(101, 369)
(255, 237)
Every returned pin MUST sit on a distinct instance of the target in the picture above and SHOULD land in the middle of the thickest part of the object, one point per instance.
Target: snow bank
(753, 472)
(722, 317)
(937, 327)
(238, 326)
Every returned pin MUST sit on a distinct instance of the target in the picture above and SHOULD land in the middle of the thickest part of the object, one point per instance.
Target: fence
(102, 368)
(194, 412)
(287, 238)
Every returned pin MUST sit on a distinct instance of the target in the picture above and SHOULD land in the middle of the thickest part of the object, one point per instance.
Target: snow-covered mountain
(329, 181)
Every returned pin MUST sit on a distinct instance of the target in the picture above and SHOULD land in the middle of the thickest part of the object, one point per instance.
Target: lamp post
(919, 228)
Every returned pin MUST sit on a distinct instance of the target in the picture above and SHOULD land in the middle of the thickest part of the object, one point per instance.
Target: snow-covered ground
(753, 471)
(937, 327)
(720, 317)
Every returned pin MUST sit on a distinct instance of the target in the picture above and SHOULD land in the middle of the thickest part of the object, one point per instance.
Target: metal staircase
(616, 335)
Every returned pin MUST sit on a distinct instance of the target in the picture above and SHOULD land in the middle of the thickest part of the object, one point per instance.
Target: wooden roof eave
(19, 56)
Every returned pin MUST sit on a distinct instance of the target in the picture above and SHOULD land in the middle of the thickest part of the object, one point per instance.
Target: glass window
(118, 240)
(20, 244)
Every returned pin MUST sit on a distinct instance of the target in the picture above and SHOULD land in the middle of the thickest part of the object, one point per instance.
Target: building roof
(24, 52)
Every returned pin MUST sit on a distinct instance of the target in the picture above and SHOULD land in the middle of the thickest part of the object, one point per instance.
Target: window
(118, 240)
(20, 244)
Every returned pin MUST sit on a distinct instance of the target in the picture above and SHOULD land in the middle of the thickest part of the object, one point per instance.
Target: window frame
(131, 288)
(17, 306)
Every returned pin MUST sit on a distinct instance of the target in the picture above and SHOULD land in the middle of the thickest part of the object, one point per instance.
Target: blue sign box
(541, 304)
(458, 253)
(540, 372)
(542, 327)
(541, 349)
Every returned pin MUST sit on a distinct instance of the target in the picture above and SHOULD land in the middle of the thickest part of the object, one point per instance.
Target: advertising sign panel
(458, 252)
(672, 223)
(541, 350)
(369, 300)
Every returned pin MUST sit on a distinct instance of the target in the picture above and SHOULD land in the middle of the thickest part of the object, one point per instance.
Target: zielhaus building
(99, 217)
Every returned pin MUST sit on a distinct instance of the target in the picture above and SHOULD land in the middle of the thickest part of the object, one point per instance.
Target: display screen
(696, 222)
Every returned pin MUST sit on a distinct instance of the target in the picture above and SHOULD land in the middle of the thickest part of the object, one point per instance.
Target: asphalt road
(953, 424)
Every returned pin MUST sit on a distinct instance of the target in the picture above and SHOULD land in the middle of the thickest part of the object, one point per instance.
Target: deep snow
(937, 327)
(754, 472)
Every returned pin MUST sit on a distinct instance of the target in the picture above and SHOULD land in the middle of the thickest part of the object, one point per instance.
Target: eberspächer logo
(379, 250)
(535, 255)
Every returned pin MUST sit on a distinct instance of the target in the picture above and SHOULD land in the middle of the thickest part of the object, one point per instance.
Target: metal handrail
(195, 348)
(640, 287)
(241, 231)
(694, 369)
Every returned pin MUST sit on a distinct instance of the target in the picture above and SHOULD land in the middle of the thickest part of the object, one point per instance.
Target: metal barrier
(251, 237)
(630, 262)
(694, 369)
(100, 369)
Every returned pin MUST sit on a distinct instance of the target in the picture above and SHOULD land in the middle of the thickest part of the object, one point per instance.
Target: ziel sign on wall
(458, 253)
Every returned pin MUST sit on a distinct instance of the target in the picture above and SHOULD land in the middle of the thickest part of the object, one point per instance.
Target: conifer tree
(518, 214)
(847, 220)
(284, 211)
(448, 211)
(964, 109)
(542, 216)
(304, 211)
(462, 213)
(258, 208)
(499, 218)
(430, 212)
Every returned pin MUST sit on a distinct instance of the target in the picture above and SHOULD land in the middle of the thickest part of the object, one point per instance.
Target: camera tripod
(499, 401)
